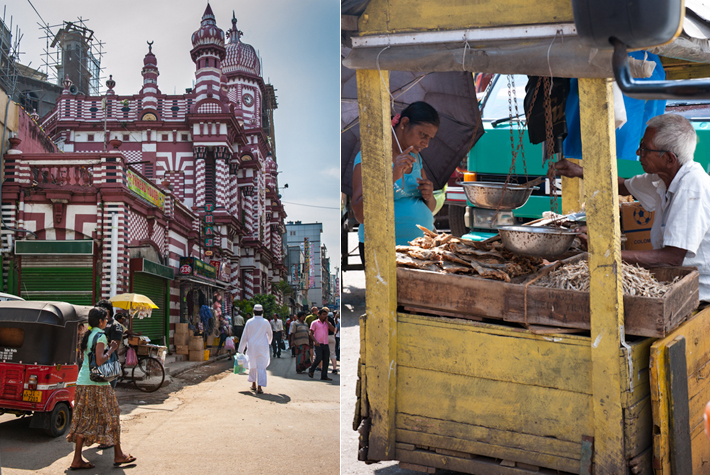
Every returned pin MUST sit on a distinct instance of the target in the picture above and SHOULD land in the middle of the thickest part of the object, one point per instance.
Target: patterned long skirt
(303, 357)
(96, 416)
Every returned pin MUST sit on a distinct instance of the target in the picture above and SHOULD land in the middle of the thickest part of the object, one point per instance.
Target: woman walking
(96, 417)
(301, 343)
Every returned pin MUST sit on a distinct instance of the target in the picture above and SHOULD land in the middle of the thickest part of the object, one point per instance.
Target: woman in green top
(96, 417)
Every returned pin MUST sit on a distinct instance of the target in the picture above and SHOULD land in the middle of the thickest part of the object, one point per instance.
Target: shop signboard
(209, 219)
(209, 242)
(195, 266)
(209, 231)
(209, 207)
(144, 189)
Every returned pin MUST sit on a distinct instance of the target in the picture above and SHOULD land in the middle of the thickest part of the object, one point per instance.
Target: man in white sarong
(256, 339)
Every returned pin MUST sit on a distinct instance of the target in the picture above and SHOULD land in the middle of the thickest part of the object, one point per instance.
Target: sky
(299, 44)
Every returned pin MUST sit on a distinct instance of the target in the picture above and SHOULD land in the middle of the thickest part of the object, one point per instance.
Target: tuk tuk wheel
(59, 420)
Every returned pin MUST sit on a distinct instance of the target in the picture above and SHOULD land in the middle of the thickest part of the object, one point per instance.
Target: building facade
(307, 236)
(191, 179)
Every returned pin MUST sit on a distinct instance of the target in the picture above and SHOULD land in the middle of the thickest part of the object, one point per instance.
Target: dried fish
(636, 281)
(454, 255)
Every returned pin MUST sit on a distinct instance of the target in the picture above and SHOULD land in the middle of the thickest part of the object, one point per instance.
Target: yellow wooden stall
(482, 398)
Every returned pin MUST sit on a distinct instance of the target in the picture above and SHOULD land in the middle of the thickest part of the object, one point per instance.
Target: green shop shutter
(153, 288)
(58, 278)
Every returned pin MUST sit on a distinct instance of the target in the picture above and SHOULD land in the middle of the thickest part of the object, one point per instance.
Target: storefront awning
(197, 280)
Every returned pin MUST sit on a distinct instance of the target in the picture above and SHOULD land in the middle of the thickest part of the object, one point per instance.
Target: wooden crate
(520, 397)
(474, 297)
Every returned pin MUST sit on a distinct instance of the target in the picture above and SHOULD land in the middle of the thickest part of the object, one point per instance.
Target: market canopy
(540, 41)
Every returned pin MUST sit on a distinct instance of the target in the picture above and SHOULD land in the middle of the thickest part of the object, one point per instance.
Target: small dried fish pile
(449, 254)
(636, 280)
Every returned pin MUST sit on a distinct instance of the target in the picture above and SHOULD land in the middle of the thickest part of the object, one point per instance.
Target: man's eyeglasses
(648, 150)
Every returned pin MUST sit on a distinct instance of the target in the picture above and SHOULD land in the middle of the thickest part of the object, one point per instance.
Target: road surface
(206, 421)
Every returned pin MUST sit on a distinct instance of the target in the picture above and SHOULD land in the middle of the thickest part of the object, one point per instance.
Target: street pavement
(205, 421)
(353, 305)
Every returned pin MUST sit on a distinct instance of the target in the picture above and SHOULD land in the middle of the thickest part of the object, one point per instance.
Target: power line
(310, 206)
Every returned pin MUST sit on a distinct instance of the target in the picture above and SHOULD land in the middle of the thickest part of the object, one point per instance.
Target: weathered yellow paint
(497, 437)
(13, 114)
(380, 271)
(496, 404)
(682, 69)
(697, 352)
(518, 454)
(572, 192)
(605, 292)
(393, 16)
(640, 363)
(462, 349)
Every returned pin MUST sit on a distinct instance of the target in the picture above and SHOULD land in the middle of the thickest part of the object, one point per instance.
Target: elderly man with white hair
(677, 189)
(256, 338)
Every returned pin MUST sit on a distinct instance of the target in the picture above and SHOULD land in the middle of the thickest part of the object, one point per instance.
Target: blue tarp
(638, 112)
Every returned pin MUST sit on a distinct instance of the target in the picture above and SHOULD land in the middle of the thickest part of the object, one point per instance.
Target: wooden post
(572, 192)
(380, 268)
(605, 292)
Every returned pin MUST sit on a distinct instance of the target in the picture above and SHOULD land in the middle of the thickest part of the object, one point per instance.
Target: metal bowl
(536, 241)
(490, 195)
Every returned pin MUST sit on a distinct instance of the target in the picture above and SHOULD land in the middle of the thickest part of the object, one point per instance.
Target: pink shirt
(320, 331)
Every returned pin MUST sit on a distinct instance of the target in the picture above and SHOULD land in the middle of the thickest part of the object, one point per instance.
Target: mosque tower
(208, 53)
(150, 90)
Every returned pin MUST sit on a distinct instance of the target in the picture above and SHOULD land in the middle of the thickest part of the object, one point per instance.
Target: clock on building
(149, 116)
(248, 99)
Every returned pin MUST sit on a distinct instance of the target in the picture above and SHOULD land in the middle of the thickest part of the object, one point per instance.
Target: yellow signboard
(144, 189)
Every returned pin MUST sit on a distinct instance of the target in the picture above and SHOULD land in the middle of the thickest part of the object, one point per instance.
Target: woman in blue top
(96, 417)
(414, 201)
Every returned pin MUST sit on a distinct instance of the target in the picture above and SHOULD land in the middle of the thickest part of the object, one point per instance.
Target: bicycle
(148, 374)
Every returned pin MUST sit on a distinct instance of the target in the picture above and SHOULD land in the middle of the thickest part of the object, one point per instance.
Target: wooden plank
(550, 363)
(681, 458)
(464, 431)
(638, 428)
(455, 447)
(640, 351)
(475, 297)
(501, 405)
(392, 16)
(477, 466)
(380, 272)
(697, 353)
(416, 468)
(605, 290)
(641, 464)
(572, 192)
(492, 329)
(683, 69)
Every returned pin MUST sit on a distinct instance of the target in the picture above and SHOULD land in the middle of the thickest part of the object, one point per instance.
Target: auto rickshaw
(38, 361)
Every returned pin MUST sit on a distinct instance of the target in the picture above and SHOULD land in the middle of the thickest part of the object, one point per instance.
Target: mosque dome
(209, 33)
(241, 58)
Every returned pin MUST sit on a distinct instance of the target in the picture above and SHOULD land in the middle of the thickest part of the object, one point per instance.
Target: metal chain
(511, 85)
(550, 145)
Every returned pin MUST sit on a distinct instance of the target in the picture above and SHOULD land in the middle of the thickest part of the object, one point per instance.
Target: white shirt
(257, 338)
(682, 216)
(277, 325)
(239, 321)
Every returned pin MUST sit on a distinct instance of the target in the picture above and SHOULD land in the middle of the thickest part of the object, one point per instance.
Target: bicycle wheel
(149, 374)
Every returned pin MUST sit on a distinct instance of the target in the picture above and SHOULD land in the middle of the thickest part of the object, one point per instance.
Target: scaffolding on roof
(73, 51)
(9, 55)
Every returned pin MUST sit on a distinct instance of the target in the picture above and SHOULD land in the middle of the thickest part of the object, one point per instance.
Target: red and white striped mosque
(171, 196)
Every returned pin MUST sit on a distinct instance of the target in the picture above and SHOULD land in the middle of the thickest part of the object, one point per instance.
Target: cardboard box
(196, 355)
(182, 350)
(196, 343)
(635, 218)
(181, 335)
(638, 241)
